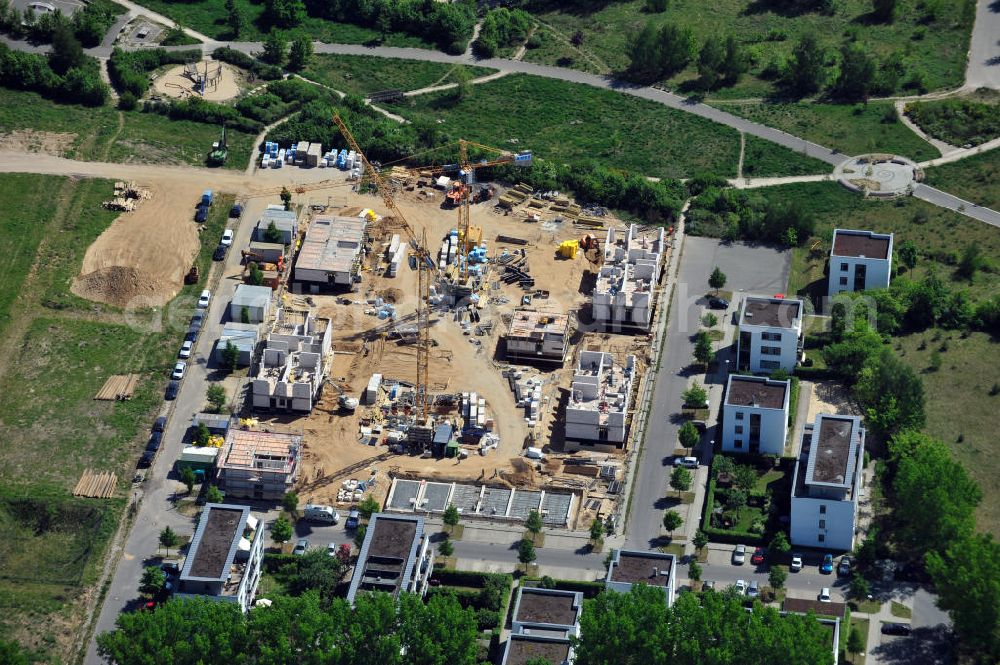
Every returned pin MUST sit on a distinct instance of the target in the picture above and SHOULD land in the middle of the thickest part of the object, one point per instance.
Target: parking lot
(67, 7)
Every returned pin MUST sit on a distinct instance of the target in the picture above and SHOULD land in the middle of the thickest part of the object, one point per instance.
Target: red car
(758, 556)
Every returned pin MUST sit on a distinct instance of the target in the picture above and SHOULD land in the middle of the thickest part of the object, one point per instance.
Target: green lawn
(939, 234)
(763, 159)
(851, 129)
(862, 626)
(144, 137)
(367, 74)
(900, 610)
(960, 410)
(975, 179)
(554, 48)
(767, 33)
(581, 123)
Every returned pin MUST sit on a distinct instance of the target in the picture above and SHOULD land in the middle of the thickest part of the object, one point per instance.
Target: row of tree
(67, 75)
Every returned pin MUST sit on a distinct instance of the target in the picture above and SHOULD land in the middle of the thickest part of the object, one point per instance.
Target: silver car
(739, 555)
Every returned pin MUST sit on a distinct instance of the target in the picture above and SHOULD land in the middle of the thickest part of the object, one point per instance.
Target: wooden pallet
(96, 485)
(118, 387)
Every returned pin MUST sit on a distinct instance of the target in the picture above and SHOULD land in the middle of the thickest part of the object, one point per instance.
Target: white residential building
(827, 483)
(294, 362)
(542, 626)
(223, 561)
(629, 567)
(770, 334)
(755, 415)
(599, 400)
(537, 337)
(859, 260)
(395, 557)
(254, 464)
(332, 251)
(623, 296)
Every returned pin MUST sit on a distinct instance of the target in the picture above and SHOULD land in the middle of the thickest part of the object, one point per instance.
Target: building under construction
(332, 251)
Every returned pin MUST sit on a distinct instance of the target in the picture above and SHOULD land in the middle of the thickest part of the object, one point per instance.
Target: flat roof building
(770, 334)
(628, 567)
(395, 557)
(223, 561)
(332, 251)
(256, 300)
(258, 465)
(623, 295)
(294, 362)
(755, 415)
(599, 401)
(285, 221)
(537, 337)
(244, 336)
(859, 261)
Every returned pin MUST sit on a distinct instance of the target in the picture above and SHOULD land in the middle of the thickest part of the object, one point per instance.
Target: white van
(320, 513)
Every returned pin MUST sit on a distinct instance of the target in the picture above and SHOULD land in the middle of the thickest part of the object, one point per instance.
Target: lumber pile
(118, 387)
(96, 485)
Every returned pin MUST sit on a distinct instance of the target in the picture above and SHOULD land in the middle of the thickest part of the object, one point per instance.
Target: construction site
(464, 337)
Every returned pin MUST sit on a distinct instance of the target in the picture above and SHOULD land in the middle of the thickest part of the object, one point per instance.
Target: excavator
(220, 151)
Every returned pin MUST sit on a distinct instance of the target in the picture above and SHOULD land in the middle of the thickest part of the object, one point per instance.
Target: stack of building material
(118, 387)
(96, 485)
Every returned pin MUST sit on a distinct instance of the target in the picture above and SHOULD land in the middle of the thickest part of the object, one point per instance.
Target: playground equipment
(203, 80)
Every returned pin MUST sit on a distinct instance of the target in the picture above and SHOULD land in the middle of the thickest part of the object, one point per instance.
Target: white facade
(623, 296)
(770, 334)
(755, 415)
(395, 557)
(827, 483)
(599, 400)
(294, 362)
(859, 261)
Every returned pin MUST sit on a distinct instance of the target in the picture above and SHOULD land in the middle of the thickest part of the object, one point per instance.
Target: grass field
(960, 409)
(581, 124)
(762, 159)
(853, 130)
(975, 178)
(366, 74)
(143, 137)
(969, 120)
(766, 31)
(941, 235)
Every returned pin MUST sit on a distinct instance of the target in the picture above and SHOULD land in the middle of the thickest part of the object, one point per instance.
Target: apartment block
(629, 567)
(755, 415)
(859, 260)
(537, 337)
(624, 295)
(543, 623)
(770, 334)
(395, 557)
(258, 465)
(294, 362)
(599, 402)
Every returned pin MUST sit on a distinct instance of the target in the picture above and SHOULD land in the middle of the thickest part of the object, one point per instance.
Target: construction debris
(118, 387)
(128, 195)
(96, 485)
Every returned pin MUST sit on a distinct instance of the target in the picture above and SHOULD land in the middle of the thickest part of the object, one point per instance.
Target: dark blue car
(827, 566)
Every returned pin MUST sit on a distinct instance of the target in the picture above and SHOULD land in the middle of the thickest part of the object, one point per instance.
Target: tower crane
(425, 272)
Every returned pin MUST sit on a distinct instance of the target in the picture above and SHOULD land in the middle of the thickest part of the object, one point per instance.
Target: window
(770, 350)
(822, 538)
(738, 443)
(843, 266)
(771, 336)
(739, 429)
(739, 415)
(843, 281)
(822, 524)
(822, 510)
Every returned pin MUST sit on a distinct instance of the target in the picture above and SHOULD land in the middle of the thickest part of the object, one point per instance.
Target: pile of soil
(118, 285)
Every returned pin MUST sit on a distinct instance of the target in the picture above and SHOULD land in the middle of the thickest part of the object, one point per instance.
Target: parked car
(893, 628)
(220, 252)
(236, 210)
(185, 351)
(827, 566)
(178, 372)
(739, 555)
(708, 585)
(353, 520)
(331, 549)
(155, 439)
(227, 238)
(686, 462)
(201, 214)
(718, 303)
(146, 460)
(741, 586)
(196, 321)
(170, 568)
(754, 589)
(796, 563)
(171, 391)
(824, 594)
(301, 547)
(844, 567)
(160, 424)
(757, 558)
(204, 298)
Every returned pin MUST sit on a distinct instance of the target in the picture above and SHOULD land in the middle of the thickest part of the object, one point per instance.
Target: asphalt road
(984, 48)
(753, 269)
(952, 202)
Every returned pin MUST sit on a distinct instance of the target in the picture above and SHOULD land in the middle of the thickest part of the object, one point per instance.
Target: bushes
(199, 110)
(957, 121)
(501, 27)
(280, 99)
(740, 214)
(129, 69)
(254, 66)
(29, 71)
(88, 25)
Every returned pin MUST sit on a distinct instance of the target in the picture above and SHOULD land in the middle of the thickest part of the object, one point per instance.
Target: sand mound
(117, 285)
(223, 81)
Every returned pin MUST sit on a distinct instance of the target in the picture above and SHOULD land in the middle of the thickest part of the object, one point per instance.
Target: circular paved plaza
(879, 175)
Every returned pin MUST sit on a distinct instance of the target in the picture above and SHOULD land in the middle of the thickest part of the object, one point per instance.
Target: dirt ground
(140, 260)
(28, 140)
(225, 82)
(830, 397)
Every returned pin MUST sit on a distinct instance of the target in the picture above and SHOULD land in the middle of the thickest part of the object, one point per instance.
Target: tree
(275, 49)
(710, 63)
(855, 643)
(244, 314)
(216, 396)
(438, 631)
(368, 507)
(672, 521)
(700, 540)
(966, 575)
(717, 279)
(188, 478)
(710, 320)
(703, 351)
(723, 464)
(694, 571)
(534, 523)
(596, 531)
(884, 10)
(745, 477)
(857, 73)
(804, 74)
(688, 435)
(451, 515)
(644, 55)
(970, 262)
(779, 544)
(445, 548)
(67, 52)
(680, 480)
(11, 653)
(290, 502)
(168, 539)
(235, 18)
(272, 233)
(526, 551)
(281, 530)
(676, 46)
(231, 354)
(696, 396)
(776, 576)
(256, 275)
(214, 495)
(286, 198)
(734, 62)
(201, 435)
(319, 572)
(359, 534)
(462, 78)
(284, 13)
(656, 6)
(908, 254)
(152, 581)
(300, 53)
(892, 394)
(860, 588)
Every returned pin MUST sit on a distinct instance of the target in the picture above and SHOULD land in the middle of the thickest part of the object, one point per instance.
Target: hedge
(723, 535)
(815, 373)
(272, 563)
(589, 589)
(256, 67)
(467, 577)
